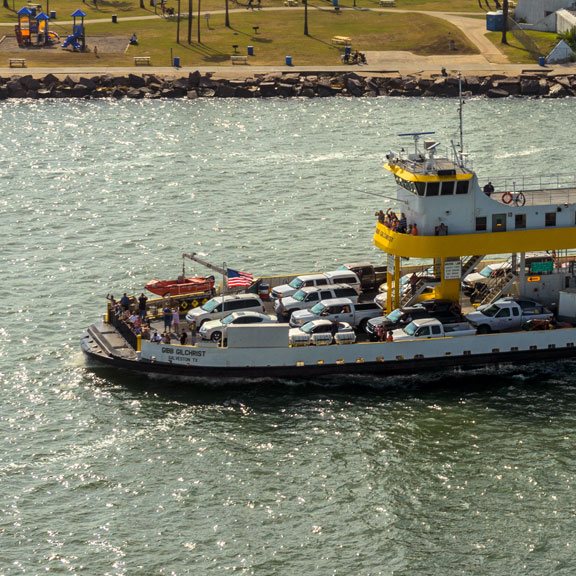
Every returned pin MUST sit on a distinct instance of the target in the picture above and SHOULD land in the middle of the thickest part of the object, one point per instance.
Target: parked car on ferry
(308, 297)
(317, 331)
(222, 306)
(444, 310)
(338, 310)
(316, 280)
(507, 314)
(215, 330)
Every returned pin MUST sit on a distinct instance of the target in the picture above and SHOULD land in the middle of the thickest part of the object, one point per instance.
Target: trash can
(288, 60)
(542, 61)
(250, 50)
(176, 61)
(348, 50)
(114, 19)
(53, 15)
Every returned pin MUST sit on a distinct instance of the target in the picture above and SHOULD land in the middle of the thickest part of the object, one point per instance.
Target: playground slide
(71, 40)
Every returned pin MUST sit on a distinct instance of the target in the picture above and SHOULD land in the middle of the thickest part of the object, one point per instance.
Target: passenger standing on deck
(489, 189)
(142, 305)
(176, 320)
(390, 336)
(413, 282)
(403, 223)
(167, 317)
(125, 302)
(414, 230)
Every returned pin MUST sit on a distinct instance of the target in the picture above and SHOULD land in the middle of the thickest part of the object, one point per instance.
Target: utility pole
(178, 25)
(305, 17)
(199, 2)
(227, 16)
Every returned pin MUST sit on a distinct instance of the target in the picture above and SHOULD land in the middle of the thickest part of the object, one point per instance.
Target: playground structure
(78, 37)
(32, 29)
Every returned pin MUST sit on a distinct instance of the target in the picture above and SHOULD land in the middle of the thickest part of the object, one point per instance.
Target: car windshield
(395, 315)
(300, 295)
(308, 327)
(486, 271)
(491, 311)
(229, 319)
(210, 305)
(318, 308)
(410, 329)
(296, 283)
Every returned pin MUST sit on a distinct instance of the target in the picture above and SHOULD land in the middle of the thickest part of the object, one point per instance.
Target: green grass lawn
(516, 53)
(280, 34)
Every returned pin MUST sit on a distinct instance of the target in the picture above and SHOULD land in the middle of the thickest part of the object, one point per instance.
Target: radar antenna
(416, 137)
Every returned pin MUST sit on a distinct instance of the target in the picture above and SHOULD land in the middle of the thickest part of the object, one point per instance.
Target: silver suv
(222, 306)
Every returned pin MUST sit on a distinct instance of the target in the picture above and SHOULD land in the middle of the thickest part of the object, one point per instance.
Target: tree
(569, 36)
(504, 21)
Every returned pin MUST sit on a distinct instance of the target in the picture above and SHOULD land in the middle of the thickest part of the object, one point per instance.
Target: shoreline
(530, 83)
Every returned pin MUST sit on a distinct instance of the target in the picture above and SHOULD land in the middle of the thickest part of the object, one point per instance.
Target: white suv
(222, 306)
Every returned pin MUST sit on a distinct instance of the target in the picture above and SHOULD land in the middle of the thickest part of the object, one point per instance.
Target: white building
(542, 14)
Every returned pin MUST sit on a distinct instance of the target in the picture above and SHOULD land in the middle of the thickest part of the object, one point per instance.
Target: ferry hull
(420, 366)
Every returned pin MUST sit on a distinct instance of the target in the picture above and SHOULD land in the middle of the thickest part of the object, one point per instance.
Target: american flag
(236, 278)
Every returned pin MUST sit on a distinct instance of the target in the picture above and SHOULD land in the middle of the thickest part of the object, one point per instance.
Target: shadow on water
(542, 383)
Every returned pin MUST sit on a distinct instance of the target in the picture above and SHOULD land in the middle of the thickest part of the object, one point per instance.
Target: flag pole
(224, 276)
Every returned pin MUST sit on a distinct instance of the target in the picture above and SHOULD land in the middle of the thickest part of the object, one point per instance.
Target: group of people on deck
(135, 316)
(397, 223)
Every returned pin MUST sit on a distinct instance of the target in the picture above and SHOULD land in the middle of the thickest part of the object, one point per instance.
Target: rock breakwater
(284, 85)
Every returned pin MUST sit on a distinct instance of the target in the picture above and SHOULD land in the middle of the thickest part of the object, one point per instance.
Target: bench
(17, 62)
(141, 60)
(342, 40)
(239, 59)
(388, 3)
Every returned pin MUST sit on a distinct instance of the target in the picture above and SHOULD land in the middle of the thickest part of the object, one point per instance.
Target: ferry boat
(456, 222)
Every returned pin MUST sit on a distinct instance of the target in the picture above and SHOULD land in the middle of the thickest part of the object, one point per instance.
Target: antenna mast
(461, 121)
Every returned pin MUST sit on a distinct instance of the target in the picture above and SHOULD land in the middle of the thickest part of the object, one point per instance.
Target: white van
(316, 280)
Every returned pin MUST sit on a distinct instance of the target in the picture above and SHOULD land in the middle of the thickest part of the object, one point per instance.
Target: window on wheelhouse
(462, 187)
(550, 219)
(433, 189)
(447, 189)
(481, 224)
(420, 188)
(520, 221)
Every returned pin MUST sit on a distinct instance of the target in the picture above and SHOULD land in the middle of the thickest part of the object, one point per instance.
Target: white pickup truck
(507, 314)
(432, 328)
(338, 310)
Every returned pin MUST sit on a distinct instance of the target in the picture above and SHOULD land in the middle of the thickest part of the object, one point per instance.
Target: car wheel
(484, 329)
(216, 336)
(363, 325)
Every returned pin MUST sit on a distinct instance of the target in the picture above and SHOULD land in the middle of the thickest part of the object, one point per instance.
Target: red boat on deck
(181, 285)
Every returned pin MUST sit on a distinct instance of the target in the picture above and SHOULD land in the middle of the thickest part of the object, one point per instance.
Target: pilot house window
(462, 187)
(433, 188)
(550, 219)
(520, 221)
(447, 189)
(481, 224)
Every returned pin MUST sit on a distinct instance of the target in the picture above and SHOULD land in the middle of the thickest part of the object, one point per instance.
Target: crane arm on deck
(195, 258)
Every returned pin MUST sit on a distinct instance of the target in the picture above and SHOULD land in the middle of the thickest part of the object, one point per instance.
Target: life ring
(506, 197)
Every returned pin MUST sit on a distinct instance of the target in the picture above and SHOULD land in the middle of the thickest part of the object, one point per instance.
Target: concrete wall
(539, 14)
(565, 21)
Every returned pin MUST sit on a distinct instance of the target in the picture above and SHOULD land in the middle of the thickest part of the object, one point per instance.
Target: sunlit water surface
(103, 473)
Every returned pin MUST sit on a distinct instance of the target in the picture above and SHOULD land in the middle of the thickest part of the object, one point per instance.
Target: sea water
(104, 473)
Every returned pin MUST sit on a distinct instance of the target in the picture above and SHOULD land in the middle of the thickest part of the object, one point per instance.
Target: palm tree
(569, 36)
(504, 21)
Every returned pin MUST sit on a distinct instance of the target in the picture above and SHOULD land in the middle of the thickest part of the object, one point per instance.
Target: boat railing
(535, 190)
